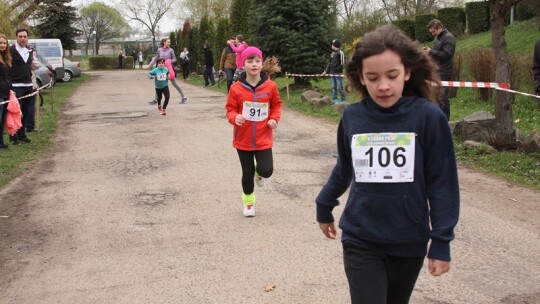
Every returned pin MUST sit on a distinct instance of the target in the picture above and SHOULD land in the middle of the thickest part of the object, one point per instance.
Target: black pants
(445, 105)
(28, 109)
(185, 70)
(208, 75)
(3, 112)
(376, 278)
(265, 167)
(160, 93)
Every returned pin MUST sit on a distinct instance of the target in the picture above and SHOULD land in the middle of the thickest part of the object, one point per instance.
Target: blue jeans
(337, 82)
(229, 74)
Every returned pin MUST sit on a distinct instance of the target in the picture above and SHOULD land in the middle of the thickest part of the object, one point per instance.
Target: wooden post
(287, 82)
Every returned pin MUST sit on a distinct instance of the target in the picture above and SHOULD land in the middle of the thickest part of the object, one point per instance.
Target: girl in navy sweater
(395, 151)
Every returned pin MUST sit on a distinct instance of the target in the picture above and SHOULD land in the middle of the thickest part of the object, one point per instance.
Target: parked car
(72, 69)
(45, 63)
(45, 74)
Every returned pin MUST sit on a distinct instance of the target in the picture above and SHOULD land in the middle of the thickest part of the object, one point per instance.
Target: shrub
(482, 68)
(108, 62)
(421, 32)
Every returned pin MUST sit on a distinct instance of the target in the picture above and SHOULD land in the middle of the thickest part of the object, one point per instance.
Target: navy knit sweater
(398, 218)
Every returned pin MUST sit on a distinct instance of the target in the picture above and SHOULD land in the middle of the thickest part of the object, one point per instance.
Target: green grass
(520, 38)
(22, 157)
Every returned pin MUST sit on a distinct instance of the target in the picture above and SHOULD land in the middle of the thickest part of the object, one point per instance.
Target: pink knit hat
(251, 51)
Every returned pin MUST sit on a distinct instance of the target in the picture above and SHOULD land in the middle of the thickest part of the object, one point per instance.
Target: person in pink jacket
(238, 45)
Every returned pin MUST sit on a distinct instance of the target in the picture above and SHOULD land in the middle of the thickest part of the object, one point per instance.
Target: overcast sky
(166, 24)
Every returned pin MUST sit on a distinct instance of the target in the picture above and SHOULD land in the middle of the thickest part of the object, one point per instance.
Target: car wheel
(67, 76)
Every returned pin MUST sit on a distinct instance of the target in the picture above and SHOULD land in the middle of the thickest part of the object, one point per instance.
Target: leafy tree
(57, 18)
(223, 33)
(206, 30)
(196, 9)
(5, 22)
(297, 32)
(104, 20)
(240, 17)
(148, 12)
(194, 45)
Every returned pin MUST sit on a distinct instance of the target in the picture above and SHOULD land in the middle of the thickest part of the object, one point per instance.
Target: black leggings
(265, 167)
(376, 278)
(160, 92)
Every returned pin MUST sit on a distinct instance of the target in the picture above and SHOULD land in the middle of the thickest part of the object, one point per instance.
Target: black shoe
(31, 130)
(25, 139)
(14, 142)
(3, 146)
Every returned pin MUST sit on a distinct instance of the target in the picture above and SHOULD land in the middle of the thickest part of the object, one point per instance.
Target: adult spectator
(185, 62)
(208, 72)
(227, 64)
(134, 55)
(444, 46)
(536, 67)
(21, 80)
(140, 58)
(5, 85)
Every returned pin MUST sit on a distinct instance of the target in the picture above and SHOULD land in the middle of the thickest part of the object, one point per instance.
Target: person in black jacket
(396, 153)
(444, 46)
(5, 85)
(208, 65)
(536, 67)
(335, 68)
(21, 80)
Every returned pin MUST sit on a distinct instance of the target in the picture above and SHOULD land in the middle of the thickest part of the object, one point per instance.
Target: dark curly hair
(388, 37)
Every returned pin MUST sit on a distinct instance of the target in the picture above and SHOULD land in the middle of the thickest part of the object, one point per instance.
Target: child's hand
(239, 120)
(272, 123)
(329, 230)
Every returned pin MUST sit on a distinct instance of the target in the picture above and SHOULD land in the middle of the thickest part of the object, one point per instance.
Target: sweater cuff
(324, 214)
(439, 250)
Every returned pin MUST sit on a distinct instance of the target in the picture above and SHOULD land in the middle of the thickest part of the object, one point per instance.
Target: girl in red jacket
(254, 109)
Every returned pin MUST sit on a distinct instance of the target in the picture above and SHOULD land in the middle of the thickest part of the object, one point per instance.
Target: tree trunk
(504, 121)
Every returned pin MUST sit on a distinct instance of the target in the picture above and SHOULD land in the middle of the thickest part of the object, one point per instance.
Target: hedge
(109, 62)
(477, 17)
(407, 26)
(453, 19)
(421, 31)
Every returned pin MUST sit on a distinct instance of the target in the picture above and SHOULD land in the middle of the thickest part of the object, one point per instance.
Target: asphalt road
(133, 207)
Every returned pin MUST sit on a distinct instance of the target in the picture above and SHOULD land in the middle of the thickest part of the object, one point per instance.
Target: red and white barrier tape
(313, 75)
(475, 84)
(501, 86)
(29, 95)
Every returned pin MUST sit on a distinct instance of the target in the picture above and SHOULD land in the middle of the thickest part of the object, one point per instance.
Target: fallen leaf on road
(269, 287)
(513, 199)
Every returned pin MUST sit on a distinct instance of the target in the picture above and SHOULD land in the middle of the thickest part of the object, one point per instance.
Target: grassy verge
(22, 157)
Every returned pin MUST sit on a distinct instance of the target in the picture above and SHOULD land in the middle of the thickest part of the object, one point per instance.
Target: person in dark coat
(208, 65)
(444, 46)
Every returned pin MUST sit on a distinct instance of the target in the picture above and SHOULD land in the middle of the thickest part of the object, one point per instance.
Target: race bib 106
(383, 157)
(255, 111)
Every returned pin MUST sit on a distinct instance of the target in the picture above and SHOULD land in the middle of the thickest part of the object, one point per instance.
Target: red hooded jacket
(253, 135)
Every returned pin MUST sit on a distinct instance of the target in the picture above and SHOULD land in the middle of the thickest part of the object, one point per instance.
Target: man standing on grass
(444, 46)
(21, 79)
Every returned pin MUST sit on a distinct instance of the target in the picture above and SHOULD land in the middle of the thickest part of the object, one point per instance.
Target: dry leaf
(269, 287)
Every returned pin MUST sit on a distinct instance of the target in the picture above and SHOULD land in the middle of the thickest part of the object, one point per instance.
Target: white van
(52, 50)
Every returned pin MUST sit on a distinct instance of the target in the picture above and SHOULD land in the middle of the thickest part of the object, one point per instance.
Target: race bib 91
(255, 111)
(383, 157)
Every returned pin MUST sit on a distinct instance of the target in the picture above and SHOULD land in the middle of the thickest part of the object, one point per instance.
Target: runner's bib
(255, 111)
(161, 76)
(383, 157)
